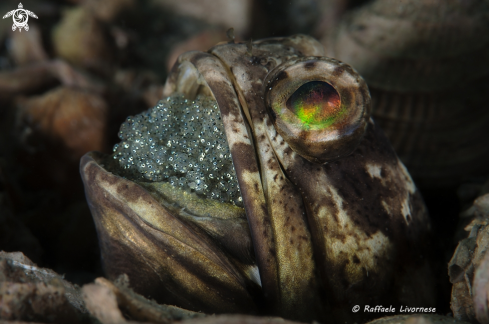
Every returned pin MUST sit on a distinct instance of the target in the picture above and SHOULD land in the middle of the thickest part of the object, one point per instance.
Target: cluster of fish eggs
(182, 142)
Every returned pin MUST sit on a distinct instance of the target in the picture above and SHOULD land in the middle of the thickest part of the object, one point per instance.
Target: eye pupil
(316, 103)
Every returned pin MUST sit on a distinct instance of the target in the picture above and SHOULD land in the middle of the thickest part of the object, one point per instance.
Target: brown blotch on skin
(273, 117)
(255, 60)
(198, 56)
(354, 183)
(281, 76)
(310, 65)
(240, 152)
(338, 71)
(356, 259)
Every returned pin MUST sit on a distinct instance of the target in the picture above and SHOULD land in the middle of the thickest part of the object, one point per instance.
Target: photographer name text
(403, 309)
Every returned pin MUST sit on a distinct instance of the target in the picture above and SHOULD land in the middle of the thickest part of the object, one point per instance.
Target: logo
(355, 308)
(20, 17)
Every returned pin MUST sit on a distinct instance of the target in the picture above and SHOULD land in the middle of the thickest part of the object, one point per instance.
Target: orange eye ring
(319, 105)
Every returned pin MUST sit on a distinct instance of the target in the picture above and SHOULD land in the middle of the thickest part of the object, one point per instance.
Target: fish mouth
(178, 150)
(195, 187)
(169, 242)
(138, 198)
(127, 205)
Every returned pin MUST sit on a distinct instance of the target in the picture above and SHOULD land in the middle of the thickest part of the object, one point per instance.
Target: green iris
(316, 103)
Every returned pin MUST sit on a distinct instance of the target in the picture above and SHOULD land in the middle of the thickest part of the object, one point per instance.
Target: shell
(55, 130)
(104, 300)
(481, 291)
(72, 118)
(81, 39)
(29, 292)
(27, 48)
(468, 267)
(426, 65)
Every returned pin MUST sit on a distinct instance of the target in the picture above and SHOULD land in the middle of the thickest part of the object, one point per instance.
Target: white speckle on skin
(409, 181)
(351, 240)
(363, 246)
(374, 170)
(386, 207)
(410, 189)
(240, 136)
(341, 215)
(406, 209)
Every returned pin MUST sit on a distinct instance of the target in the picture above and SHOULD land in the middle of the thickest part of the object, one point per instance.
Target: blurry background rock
(30, 293)
(202, 42)
(81, 39)
(56, 129)
(285, 17)
(27, 48)
(417, 319)
(224, 13)
(14, 235)
(109, 10)
(114, 302)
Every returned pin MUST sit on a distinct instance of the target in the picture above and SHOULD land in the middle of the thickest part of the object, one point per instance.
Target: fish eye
(315, 103)
(319, 105)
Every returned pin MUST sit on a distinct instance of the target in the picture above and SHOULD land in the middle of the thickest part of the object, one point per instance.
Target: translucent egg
(182, 142)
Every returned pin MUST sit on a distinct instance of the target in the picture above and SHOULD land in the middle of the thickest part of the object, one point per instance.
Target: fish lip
(181, 203)
(235, 249)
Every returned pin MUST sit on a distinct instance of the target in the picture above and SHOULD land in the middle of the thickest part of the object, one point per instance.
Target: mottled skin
(325, 236)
